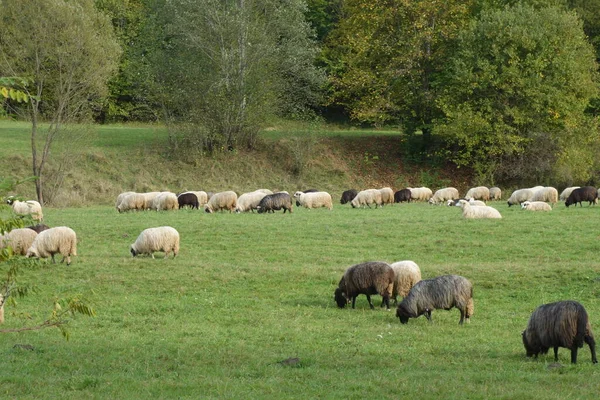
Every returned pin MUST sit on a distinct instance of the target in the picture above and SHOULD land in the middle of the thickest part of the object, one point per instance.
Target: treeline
(507, 88)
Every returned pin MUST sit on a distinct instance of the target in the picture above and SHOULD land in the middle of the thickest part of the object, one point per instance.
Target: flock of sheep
(562, 324)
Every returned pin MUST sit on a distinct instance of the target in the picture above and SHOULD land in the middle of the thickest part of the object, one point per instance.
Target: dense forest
(506, 88)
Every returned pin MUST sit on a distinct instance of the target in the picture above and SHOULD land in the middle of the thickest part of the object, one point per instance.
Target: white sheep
(133, 201)
(420, 194)
(151, 240)
(536, 206)
(61, 239)
(476, 203)
(519, 196)
(165, 201)
(495, 193)
(19, 240)
(315, 199)
(387, 195)
(478, 193)
(546, 194)
(120, 198)
(406, 274)
(149, 198)
(366, 198)
(444, 194)
(249, 201)
(29, 207)
(478, 212)
(564, 195)
(221, 201)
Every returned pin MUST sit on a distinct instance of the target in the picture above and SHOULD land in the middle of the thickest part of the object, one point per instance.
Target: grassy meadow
(250, 290)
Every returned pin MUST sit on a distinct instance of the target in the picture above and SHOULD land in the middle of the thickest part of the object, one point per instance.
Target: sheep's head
(525, 204)
(528, 348)
(340, 298)
(133, 251)
(260, 209)
(32, 252)
(208, 208)
(298, 194)
(10, 200)
(463, 203)
(402, 313)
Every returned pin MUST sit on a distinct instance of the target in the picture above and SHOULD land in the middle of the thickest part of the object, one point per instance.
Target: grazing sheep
(134, 201)
(188, 199)
(387, 195)
(61, 239)
(29, 207)
(564, 195)
(151, 240)
(149, 199)
(547, 194)
(443, 195)
(402, 195)
(202, 197)
(519, 196)
(495, 193)
(579, 195)
(366, 198)
(303, 191)
(478, 193)
(560, 324)
(38, 227)
(275, 201)
(406, 275)
(368, 278)
(249, 201)
(420, 194)
(165, 201)
(478, 211)
(314, 200)
(19, 240)
(120, 198)
(443, 292)
(536, 206)
(348, 196)
(221, 201)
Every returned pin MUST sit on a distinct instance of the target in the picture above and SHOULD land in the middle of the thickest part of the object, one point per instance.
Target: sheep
(38, 227)
(61, 239)
(165, 201)
(406, 275)
(519, 196)
(151, 240)
(19, 240)
(373, 277)
(120, 198)
(221, 201)
(314, 200)
(275, 201)
(188, 199)
(29, 207)
(402, 195)
(348, 196)
(473, 212)
(560, 324)
(366, 198)
(444, 194)
(387, 195)
(303, 191)
(443, 292)
(420, 194)
(586, 193)
(134, 201)
(495, 193)
(536, 206)
(149, 199)
(479, 193)
(249, 201)
(564, 195)
(547, 194)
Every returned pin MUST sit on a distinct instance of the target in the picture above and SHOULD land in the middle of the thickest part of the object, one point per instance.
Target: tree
(68, 51)
(518, 87)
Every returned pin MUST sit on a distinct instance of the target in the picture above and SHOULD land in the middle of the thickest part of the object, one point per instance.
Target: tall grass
(249, 290)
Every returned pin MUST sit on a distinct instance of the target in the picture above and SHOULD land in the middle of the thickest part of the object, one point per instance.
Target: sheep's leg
(428, 315)
(53, 260)
(573, 354)
(590, 341)
(68, 258)
(370, 302)
(353, 301)
(152, 254)
(462, 316)
(386, 300)
(166, 254)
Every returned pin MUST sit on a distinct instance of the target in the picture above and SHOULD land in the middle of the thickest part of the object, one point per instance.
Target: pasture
(249, 290)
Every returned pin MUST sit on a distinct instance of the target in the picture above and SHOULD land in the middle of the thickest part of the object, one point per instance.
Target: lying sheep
(560, 324)
(402, 195)
(188, 199)
(443, 292)
(564, 195)
(476, 203)
(519, 196)
(314, 200)
(473, 212)
(366, 198)
(249, 201)
(19, 240)
(536, 206)
(406, 275)
(547, 194)
(443, 195)
(586, 193)
(495, 193)
(29, 207)
(420, 194)
(478, 193)
(61, 239)
(38, 227)
(151, 240)
(275, 201)
(134, 201)
(221, 201)
(368, 278)
(387, 195)
(120, 198)
(348, 196)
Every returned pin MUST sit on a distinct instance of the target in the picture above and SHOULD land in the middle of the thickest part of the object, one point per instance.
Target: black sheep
(402, 195)
(348, 196)
(39, 227)
(368, 278)
(560, 324)
(188, 199)
(586, 193)
(276, 201)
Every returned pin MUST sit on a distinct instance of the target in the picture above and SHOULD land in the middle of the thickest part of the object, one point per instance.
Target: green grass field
(248, 291)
